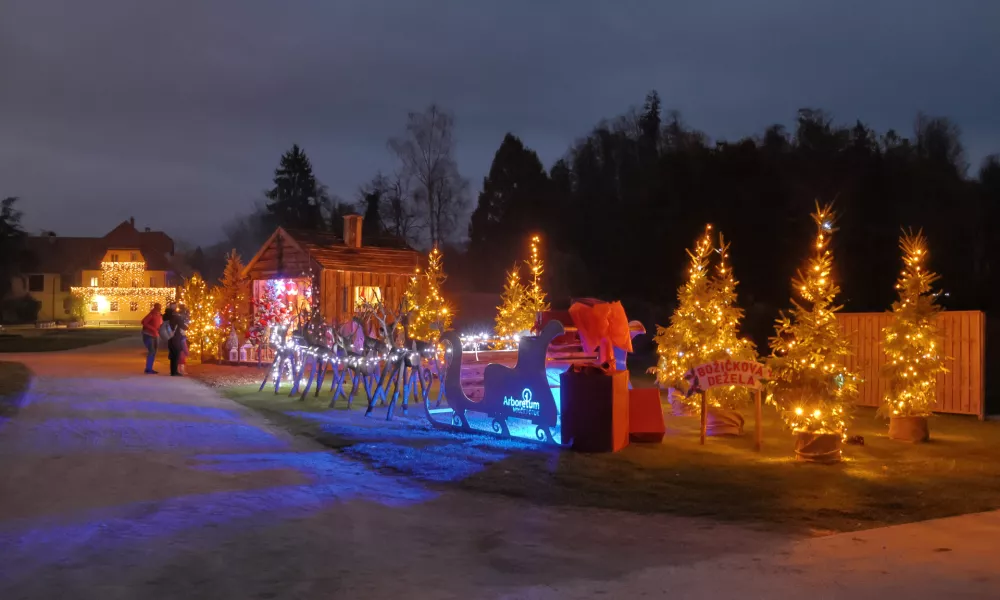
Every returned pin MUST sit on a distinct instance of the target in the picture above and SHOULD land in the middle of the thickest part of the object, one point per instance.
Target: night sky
(176, 112)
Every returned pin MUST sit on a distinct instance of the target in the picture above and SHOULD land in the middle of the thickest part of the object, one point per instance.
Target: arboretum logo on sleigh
(719, 373)
(523, 405)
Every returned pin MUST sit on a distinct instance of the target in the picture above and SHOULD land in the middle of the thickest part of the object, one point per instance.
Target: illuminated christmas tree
(204, 337)
(812, 387)
(912, 343)
(704, 327)
(514, 317)
(234, 298)
(429, 312)
(534, 301)
(269, 309)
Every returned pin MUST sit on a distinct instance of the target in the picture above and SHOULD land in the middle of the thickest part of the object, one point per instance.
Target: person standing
(151, 334)
(178, 325)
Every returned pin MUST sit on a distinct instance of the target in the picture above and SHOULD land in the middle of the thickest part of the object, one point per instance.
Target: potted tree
(704, 328)
(811, 385)
(912, 346)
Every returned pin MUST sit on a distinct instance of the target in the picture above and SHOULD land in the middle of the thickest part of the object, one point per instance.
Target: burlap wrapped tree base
(724, 422)
(817, 447)
(909, 429)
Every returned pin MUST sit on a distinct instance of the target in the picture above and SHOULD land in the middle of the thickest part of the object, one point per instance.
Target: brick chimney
(352, 230)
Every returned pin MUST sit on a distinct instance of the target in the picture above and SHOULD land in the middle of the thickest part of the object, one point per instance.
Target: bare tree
(426, 152)
(398, 210)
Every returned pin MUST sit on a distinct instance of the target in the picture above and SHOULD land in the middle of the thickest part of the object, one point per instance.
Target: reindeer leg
(354, 388)
(321, 376)
(312, 376)
(266, 378)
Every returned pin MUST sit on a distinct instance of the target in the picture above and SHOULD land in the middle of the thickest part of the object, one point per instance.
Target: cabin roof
(328, 251)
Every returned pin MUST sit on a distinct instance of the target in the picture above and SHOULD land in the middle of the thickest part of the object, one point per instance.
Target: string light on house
(122, 285)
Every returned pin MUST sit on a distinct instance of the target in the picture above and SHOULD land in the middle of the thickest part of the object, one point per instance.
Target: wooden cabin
(345, 270)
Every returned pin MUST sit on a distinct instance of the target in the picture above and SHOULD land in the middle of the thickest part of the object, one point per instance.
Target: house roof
(57, 254)
(329, 251)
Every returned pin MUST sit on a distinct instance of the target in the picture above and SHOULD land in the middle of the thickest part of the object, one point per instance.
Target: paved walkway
(118, 485)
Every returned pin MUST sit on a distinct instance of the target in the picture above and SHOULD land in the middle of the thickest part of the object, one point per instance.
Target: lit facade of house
(118, 277)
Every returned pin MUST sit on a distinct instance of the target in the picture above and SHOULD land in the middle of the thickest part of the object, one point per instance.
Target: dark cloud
(176, 112)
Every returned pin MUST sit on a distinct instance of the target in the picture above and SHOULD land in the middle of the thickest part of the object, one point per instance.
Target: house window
(65, 281)
(135, 283)
(134, 257)
(152, 281)
(133, 306)
(114, 306)
(93, 282)
(114, 281)
(367, 294)
(94, 307)
(36, 283)
(114, 258)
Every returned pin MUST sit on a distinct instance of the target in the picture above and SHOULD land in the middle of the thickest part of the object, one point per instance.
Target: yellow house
(117, 277)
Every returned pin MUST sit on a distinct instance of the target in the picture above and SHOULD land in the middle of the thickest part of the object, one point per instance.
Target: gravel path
(118, 485)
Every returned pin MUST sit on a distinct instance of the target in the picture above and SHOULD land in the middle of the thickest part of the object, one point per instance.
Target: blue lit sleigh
(509, 394)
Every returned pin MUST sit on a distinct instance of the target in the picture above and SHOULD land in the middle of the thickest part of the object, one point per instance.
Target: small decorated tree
(234, 303)
(534, 297)
(269, 309)
(912, 342)
(703, 328)
(203, 334)
(812, 386)
(513, 315)
(429, 312)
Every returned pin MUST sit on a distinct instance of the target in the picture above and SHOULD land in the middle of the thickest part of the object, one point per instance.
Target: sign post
(721, 373)
(704, 416)
(758, 428)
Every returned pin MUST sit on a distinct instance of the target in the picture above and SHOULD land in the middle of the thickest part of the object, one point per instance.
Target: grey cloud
(112, 108)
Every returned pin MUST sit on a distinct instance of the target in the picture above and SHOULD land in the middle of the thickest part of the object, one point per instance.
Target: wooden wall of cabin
(280, 260)
(338, 291)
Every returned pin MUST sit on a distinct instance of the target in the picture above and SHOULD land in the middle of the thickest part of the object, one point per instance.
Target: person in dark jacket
(175, 319)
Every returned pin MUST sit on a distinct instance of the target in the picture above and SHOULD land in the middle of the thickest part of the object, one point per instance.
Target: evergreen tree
(297, 200)
(429, 312)
(514, 197)
(204, 337)
(912, 342)
(534, 297)
(234, 298)
(11, 243)
(704, 327)
(812, 386)
(513, 316)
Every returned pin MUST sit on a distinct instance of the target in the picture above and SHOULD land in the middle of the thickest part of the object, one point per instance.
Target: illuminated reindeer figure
(285, 354)
(403, 363)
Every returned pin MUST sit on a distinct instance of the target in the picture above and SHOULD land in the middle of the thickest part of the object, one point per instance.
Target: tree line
(617, 211)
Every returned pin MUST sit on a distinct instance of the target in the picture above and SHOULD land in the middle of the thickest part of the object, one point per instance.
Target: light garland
(704, 327)
(912, 342)
(119, 284)
(812, 387)
(123, 274)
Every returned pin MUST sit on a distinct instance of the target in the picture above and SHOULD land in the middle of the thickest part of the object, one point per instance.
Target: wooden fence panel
(961, 390)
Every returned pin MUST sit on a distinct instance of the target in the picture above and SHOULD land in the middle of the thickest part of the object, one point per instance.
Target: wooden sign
(722, 373)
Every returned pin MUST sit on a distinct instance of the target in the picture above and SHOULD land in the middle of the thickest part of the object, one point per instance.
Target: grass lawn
(49, 340)
(14, 379)
(880, 483)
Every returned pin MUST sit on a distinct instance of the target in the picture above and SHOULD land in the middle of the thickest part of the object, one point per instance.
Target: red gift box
(595, 410)
(645, 415)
